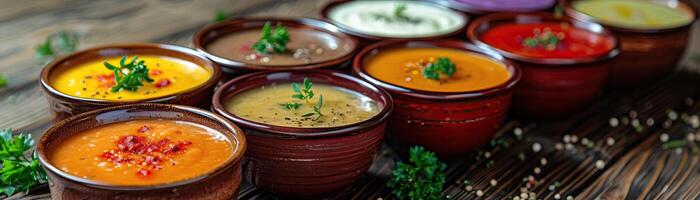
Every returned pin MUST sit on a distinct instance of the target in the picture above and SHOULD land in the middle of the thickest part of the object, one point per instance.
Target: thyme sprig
(291, 105)
(305, 92)
(442, 65)
(129, 76)
(272, 40)
(422, 178)
(19, 171)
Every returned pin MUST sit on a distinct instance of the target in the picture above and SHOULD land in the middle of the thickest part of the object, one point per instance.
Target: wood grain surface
(635, 166)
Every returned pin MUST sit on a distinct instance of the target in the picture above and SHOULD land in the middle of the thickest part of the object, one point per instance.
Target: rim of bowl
(683, 4)
(464, 7)
(120, 50)
(236, 134)
(220, 98)
(474, 34)
(515, 72)
(207, 34)
(325, 11)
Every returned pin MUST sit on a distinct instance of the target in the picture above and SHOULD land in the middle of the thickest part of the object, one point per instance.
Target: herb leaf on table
(56, 45)
(272, 40)
(3, 81)
(19, 172)
(422, 178)
(129, 76)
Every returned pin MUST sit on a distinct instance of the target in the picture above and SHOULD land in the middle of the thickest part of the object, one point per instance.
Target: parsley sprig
(291, 105)
(423, 178)
(56, 45)
(19, 172)
(129, 76)
(442, 65)
(304, 91)
(272, 40)
(546, 39)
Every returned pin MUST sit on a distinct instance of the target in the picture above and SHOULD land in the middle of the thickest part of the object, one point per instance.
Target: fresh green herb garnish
(3, 81)
(291, 105)
(56, 45)
(674, 144)
(272, 41)
(303, 91)
(317, 108)
(423, 178)
(220, 15)
(19, 171)
(442, 65)
(546, 40)
(399, 16)
(130, 75)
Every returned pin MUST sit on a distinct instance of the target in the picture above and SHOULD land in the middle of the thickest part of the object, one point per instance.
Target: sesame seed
(493, 182)
(380, 198)
(635, 123)
(663, 137)
(694, 121)
(516, 198)
(557, 196)
(543, 161)
(679, 150)
(650, 122)
(518, 131)
(523, 195)
(479, 193)
(614, 122)
(558, 146)
(552, 187)
(690, 137)
(537, 170)
(671, 114)
(567, 138)
(536, 147)
(600, 164)
(569, 197)
(574, 139)
(667, 123)
(689, 101)
(610, 141)
(585, 141)
(633, 114)
(487, 155)
(569, 146)
(468, 188)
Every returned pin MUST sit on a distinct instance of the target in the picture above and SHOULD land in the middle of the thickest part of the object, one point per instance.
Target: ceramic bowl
(64, 105)
(551, 87)
(646, 55)
(367, 38)
(480, 7)
(333, 37)
(450, 124)
(222, 183)
(307, 162)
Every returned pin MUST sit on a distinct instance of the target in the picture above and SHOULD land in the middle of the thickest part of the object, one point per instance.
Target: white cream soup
(398, 19)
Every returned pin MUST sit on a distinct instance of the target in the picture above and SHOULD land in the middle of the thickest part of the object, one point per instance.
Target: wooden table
(622, 162)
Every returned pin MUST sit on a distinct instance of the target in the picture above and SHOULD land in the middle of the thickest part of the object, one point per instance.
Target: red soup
(548, 40)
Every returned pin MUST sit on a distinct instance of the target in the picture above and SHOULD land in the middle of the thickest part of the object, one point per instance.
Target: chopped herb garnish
(442, 65)
(64, 43)
(291, 105)
(3, 81)
(130, 75)
(422, 178)
(220, 15)
(398, 16)
(44, 50)
(303, 91)
(19, 171)
(317, 108)
(272, 40)
(674, 144)
(67, 42)
(543, 39)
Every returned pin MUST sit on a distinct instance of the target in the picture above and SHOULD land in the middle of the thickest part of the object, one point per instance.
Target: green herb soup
(274, 105)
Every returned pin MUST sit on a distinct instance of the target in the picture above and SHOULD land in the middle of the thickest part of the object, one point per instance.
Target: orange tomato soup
(142, 152)
(474, 72)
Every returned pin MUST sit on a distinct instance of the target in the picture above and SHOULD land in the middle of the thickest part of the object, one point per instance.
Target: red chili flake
(163, 83)
(155, 72)
(246, 48)
(144, 129)
(143, 172)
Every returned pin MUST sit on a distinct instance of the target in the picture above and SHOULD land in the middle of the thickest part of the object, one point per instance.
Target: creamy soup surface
(142, 152)
(340, 106)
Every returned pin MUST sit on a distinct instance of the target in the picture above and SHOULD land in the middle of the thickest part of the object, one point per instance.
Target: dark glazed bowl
(222, 183)
(368, 38)
(646, 55)
(64, 106)
(551, 88)
(307, 162)
(232, 68)
(450, 124)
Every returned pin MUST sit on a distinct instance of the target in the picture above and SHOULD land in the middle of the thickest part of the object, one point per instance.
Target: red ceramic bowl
(646, 55)
(551, 87)
(222, 183)
(307, 162)
(232, 68)
(450, 124)
(369, 38)
(64, 106)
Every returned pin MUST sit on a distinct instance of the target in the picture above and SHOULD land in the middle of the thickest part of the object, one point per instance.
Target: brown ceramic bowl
(551, 87)
(63, 105)
(231, 67)
(451, 124)
(369, 38)
(307, 162)
(222, 183)
(646, 55)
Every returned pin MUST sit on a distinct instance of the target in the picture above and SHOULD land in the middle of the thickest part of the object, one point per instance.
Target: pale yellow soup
(640, 14)
(94, 81)
(340, 106)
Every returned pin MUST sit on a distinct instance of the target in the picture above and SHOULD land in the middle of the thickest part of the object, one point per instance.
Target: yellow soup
(634, 13)
(142, 152)
(92, 80)
(404, 67)
(340, 106)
